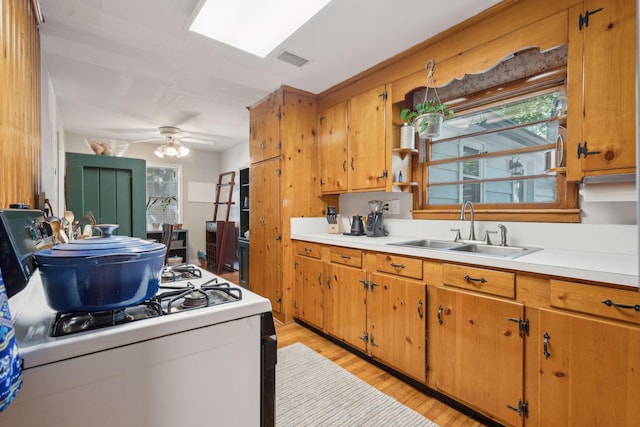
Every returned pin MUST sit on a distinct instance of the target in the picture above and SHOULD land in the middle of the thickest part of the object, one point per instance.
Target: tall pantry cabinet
(284, 184)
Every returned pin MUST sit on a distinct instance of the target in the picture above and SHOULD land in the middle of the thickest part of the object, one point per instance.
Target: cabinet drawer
(491, 282)
(346, 256)
(308, 249)
(596, 300)
(402, 266)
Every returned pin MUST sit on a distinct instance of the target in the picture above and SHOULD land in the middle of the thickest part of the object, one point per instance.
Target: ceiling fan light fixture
(171, 149)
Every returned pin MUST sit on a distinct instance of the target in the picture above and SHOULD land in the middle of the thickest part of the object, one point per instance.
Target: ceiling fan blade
(148, 140)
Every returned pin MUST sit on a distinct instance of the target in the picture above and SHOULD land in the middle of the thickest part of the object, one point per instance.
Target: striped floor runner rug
(312, 391)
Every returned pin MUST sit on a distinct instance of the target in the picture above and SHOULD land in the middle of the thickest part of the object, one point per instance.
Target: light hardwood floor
(432, 408)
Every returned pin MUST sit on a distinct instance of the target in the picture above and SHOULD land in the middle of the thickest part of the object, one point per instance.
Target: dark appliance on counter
(167, 342)
(375, 219)
(22, 232)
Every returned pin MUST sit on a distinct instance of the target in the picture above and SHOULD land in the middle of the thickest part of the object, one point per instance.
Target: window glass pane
(535, 190)
(163, 195)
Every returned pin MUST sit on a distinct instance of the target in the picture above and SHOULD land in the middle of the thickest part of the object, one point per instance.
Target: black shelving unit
(244, 201)
(179, 243)
(243, 242)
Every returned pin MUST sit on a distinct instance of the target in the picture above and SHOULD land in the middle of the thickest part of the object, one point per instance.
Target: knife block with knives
(333, 219)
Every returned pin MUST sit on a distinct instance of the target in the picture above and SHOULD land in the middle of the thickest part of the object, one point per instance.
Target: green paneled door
(111, 188)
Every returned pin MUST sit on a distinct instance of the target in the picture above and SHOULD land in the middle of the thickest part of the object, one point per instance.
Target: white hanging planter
(429, 124)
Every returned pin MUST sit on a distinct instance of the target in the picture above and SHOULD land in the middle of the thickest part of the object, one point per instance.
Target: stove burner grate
(181, 272)
(172, 299)
(70, 323)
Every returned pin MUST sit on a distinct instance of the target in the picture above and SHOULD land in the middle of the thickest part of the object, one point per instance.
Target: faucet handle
(458, 236)
(487, 240)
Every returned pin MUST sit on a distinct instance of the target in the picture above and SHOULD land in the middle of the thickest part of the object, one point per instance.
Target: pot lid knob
(106, 230)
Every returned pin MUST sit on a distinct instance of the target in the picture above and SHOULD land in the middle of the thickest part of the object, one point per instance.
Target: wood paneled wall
(20, 138)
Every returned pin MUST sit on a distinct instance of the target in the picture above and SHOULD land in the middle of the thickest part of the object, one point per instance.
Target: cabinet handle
(440, 310)
(545, 345)
(329, 282)
(307, 250)
(610, 303)
(372, 284)
(584, 151)
(353, 166)
(473, 279)
(397, 266)
(320, 279)
(344, 165)
(373, 344)
(347, 257)
(420, 309)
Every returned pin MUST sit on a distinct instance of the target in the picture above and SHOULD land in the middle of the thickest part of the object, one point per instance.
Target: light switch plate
(395, 207)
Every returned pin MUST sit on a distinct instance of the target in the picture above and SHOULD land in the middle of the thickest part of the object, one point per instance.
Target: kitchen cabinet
(264, 129)
(587, 357)
(602, 73)
(589, 371)
(369, 141)
(308, 286)
(111, 188)
(265, 250)
(480, 352)
(333, 149)
(355, 144)
(346, 304)
(283, 184)
(396, 321)
(179, 246)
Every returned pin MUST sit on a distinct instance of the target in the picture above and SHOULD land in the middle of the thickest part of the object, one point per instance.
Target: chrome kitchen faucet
(472, 233)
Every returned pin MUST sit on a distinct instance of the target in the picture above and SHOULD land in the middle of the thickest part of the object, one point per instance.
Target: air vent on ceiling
(292, 59)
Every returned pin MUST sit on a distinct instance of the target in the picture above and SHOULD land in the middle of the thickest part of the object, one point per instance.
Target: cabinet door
(111, 188)
(480, 352)
(333, 149)
(590, 372)
(608, 107)
(265, 248)
(397, 324)
(368, 150)
(345, 314)
(307, 291)
(264, 129)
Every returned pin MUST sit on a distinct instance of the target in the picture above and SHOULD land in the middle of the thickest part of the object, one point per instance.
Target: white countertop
(605, 261)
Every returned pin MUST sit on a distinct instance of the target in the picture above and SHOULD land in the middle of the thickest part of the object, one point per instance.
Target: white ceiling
(122, 68)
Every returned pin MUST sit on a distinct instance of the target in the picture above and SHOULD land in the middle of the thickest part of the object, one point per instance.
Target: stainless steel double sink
(475, 248)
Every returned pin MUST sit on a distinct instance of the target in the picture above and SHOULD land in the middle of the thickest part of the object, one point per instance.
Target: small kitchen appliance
(375, 219)
(197, 336)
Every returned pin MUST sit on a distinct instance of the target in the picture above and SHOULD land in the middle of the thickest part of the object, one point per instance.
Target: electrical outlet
(395, 207)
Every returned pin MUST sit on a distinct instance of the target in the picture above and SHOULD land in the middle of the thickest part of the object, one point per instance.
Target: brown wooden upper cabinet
(265, 121)
(602, 72)
(355, 146)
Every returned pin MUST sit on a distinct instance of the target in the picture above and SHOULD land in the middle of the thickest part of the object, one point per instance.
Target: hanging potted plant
(429, 114)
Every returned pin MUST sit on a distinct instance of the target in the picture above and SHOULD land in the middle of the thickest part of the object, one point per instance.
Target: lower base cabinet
(481, 352)
(589, 371)
(522, 350)
(396, 317)
(346, 308)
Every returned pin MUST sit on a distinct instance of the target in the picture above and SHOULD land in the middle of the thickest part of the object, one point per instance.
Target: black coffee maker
(375, 219)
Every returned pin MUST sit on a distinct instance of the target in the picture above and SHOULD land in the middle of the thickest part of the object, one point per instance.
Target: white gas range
(184, 365)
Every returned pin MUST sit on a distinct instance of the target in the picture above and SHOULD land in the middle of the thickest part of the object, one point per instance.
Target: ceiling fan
(172, 146)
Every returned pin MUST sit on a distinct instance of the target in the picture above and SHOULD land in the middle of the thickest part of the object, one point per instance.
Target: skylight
(255, 26)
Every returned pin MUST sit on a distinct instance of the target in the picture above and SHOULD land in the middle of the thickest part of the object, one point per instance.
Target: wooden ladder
(226, 182)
